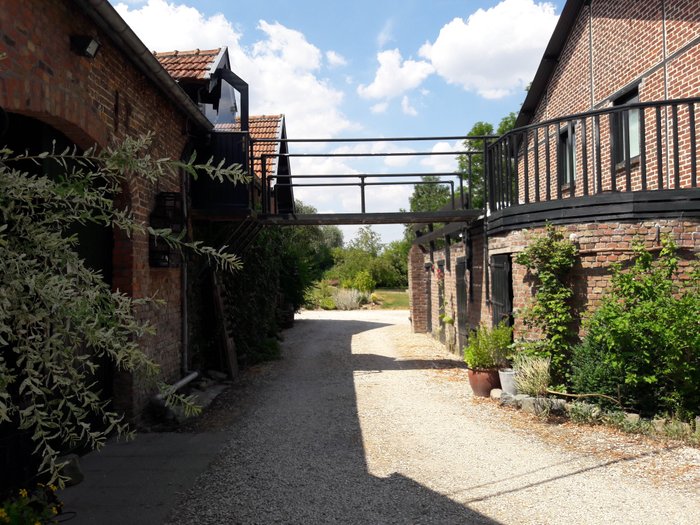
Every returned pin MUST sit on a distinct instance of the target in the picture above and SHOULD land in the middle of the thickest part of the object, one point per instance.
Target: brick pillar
(417, 290)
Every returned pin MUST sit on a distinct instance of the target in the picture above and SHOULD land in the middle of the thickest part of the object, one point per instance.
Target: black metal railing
(461, 184)
(636, 147)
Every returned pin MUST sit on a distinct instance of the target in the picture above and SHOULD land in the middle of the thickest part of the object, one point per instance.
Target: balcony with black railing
(624, 162)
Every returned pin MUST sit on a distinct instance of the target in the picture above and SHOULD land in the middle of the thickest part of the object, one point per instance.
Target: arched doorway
(22, 133)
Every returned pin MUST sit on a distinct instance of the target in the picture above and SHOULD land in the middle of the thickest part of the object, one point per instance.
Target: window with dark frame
(625, 128)
(566, 154)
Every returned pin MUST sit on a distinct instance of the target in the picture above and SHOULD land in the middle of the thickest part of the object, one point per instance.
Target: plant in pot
(486, 351)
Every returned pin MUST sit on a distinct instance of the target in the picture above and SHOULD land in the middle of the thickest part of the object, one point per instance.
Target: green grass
(392, 299)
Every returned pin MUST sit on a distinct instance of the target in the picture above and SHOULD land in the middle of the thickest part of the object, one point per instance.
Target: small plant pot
(507, 378)
(482, 381)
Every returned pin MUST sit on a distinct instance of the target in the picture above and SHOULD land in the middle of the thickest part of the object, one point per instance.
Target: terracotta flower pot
(482, 381)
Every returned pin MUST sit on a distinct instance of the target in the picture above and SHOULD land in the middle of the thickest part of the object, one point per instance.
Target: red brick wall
(99, 101)
(599, 244)
(417, 291)
(614, 45)
(624, 42)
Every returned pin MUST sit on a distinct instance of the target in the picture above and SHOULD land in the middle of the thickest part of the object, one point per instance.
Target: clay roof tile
(188, 65)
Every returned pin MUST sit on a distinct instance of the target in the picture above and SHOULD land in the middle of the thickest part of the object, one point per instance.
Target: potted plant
(485, 353)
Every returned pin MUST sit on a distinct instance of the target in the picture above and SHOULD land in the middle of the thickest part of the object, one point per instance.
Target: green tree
(431, 196)
(367, 240)
(58, 318)
(475, 161)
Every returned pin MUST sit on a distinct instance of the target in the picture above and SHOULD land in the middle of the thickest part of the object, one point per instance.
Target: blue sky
(365, 69)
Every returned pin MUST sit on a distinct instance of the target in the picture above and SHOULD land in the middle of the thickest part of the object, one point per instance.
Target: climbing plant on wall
(549, 258)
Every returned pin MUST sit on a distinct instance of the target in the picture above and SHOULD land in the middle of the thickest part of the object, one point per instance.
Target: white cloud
(335, 59)
(386, 34)
(381, 147)
(163, 26)
(495, 52)
(379, 107)
(407, 108)
(443, 163)
(395, 76)
(281, 68)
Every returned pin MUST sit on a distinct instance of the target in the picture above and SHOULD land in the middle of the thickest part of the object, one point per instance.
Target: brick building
(604, 146)
(74, 72)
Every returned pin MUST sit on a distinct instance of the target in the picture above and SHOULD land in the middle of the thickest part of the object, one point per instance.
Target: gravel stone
(364, 422)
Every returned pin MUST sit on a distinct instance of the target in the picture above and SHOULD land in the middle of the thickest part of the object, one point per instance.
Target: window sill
(620, 167)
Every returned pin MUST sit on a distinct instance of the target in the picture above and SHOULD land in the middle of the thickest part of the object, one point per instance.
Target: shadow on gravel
(290, 450)
(552, 479)
(297, 455)
(373, 362)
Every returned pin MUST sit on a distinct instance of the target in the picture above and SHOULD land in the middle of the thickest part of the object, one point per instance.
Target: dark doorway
(22, 134)
(462, 302)
(501, 289)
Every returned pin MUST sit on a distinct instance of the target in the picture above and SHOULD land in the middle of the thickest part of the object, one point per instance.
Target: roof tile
(261, 127)
(188, 65)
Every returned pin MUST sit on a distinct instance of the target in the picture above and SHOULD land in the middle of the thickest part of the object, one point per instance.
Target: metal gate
(462, 302)
(501, 289)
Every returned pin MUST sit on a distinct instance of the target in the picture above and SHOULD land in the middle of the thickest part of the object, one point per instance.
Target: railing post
(548, 170)
(628, 161)
(613, 166)
(470, 200)
(362, 193)
(676, 157)
(263, 182)
(584, 154)
(659, 150)
(598, 159)
(526, 167)
(693, 152)
(642, 150)
(487, 176)
(537, 164)
(560, 162)
(251, 171)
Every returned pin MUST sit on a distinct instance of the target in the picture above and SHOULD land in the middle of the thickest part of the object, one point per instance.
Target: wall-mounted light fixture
(84, 45)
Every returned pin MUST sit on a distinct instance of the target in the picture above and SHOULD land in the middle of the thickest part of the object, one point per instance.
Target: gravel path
(365, 422)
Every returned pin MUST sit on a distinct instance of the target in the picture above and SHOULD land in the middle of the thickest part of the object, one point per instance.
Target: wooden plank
(227, 345)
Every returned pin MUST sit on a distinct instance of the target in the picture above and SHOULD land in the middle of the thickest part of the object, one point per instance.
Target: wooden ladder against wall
(227, 345)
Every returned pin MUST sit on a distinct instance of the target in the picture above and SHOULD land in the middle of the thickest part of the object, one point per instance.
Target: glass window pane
(634, 132)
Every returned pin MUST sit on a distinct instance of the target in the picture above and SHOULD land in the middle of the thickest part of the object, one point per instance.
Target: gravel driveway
(364, 422)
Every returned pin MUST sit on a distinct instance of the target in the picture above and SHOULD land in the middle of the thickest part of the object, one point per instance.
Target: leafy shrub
(364, 282)
(319, 296)
(347, 299)
(581, 412)
(327, 303)
(31, 506)
(488, 347)
(592, 372)
(59, 320)
(532, 374)
(645, 337)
